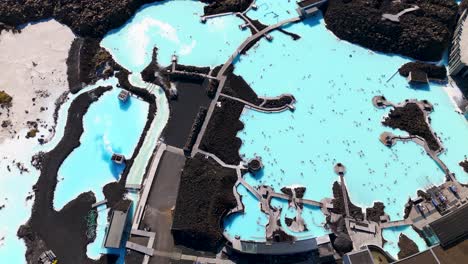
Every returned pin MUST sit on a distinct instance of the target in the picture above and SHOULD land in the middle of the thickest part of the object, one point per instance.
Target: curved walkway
(254, 38)
(259, 108)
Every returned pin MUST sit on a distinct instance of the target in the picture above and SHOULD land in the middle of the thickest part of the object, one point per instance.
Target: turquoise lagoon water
(109, 127)
(17, 211)
(392, 236)
(249, 225)
(271, 12)
(335, 121)
(313, 216)
(174, 27)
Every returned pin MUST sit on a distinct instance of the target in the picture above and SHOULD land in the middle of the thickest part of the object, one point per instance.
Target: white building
(458, 62)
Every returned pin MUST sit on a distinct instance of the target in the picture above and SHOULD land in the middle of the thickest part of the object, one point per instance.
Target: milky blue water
(335, 121)
(96, 249)
(313, 217)
(271, 12)
(174, 27)
(109, 127)
(392, 235)
(249, 225)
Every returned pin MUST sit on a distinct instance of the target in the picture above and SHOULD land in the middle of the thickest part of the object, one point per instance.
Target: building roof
(307, 3)
(359, 257)
(417, 77)
(464, 39)
(277, 248)
(425, 257)
(116, 227)
(452, 227)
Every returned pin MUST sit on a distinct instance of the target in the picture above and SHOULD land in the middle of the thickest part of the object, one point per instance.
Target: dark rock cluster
(196, 127)
(410, 118)
(423, 34)
(205, 196)
(338, 203)
(464, 165)
(375, 212)
(223, 6)
(63, 231)
(237, 87)
(221, 133)
(463, 6)
(407, 247)
(433, 71)
(91, 18)
(87, 18)
(88, 62)
(280, 102)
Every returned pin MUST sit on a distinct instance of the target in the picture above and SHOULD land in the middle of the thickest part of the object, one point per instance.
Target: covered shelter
(452, 227)
(117, 224)
(458, 60)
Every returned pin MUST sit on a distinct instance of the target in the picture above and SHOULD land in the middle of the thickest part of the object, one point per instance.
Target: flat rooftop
(452, 227)
(307, 3)
(359, 257)
(464, 39)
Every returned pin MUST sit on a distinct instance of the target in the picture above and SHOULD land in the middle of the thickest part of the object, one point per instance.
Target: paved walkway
(222, 77)
(297, 200)
(258, 108)
(246, 19)
(147, 185)
(391, 224)
(345, 195)
(396, 18)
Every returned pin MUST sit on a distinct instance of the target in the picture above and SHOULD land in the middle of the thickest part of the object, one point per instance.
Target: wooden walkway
(298, 200)
(258, 108)
(395, 223)
(222, 74)
(254, 38)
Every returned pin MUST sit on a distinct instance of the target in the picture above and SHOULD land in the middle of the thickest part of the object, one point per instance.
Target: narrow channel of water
(392, 236)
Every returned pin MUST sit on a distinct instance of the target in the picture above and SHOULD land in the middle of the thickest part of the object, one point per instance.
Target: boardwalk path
(222, 77)
(258, 108)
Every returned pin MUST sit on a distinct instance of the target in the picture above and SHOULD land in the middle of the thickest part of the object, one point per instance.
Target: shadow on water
(258, 176)
(125, 105)
(116, 169)
(421, 87)
(313, 20)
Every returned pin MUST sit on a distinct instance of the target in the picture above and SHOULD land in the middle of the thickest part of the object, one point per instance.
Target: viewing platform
(118, 158)
(255, 165)
(124, 95)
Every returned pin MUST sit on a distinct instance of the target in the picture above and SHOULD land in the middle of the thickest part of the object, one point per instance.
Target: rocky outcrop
(62, 231)
(220, 137)
(91, 18)
(205, 196)
(410, 118)
(407, 247)
(339, 206)
(223, 6)
(88, 62)
(464, 165)
(375, 212)
(433, 71)
(463, 6)
(87, 18)
(423, 34)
